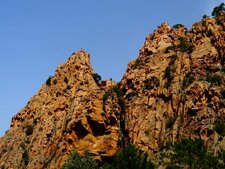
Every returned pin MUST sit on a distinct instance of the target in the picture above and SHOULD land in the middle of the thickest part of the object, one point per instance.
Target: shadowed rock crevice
(98, 128)
(80, 130)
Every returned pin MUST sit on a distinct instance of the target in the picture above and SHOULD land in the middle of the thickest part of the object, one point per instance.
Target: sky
(36, 36)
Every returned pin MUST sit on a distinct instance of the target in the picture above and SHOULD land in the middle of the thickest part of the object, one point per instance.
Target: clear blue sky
(36, 36)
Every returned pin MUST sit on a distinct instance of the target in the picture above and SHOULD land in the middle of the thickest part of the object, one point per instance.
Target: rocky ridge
(176, 85)
(175, 89)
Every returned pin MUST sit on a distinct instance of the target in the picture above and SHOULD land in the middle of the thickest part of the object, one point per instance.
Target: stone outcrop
(176, 85)
(66, 114)
(175, 89)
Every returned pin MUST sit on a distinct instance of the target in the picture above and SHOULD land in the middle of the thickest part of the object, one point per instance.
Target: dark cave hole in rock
(165, 98)
(192, 112)
(130, 84)
(108, 132)
(80, 130)
(70, 141)
(97, 128)
(113, 120)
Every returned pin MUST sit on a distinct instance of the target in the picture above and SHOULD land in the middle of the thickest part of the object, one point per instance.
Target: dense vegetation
(129, 158)
(218, 9)
(186, 153)
(192, 154)
(77, 161)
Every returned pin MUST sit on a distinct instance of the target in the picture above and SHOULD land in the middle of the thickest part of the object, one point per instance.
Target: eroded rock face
(66, 114)
(173, 90)
(176, 85)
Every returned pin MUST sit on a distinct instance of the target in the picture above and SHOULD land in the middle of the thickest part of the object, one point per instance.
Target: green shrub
(173, 59)
(25, 158)
(221, 156)
(223, 69)
(121, 103)
(178, 26)
(184, 46)
(186, 153)
(188, 79)
(209, 33)
(97, 77)
(219, 127)
(192, 154)
(173, 166)
(136, 64)
(25, 155)
(130, 158)
(222, 62)
(66, 80)
(130, 95)
(213, 78)
(172, 47)
(48, 81)
(218, 9)
(151, 83)
(105, 97)
(29, 130)
(204, 16)
(167, 73)
(168, 77)
(119, 92)
(77, 161)
(222, 92)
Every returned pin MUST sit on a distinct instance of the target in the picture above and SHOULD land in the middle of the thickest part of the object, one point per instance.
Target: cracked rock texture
(64, 115)
(175, 89)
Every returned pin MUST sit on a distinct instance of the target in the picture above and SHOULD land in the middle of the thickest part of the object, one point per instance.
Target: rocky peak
(172, 86)
(66, 114)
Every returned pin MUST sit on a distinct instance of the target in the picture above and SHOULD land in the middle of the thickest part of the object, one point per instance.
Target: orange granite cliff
(175, 89)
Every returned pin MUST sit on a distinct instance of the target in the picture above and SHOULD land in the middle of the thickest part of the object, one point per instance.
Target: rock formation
(64, 115)
(176, 85)
(175, 89)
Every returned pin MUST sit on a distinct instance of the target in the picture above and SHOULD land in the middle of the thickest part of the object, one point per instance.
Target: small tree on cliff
(97, 77)
(218, 9)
